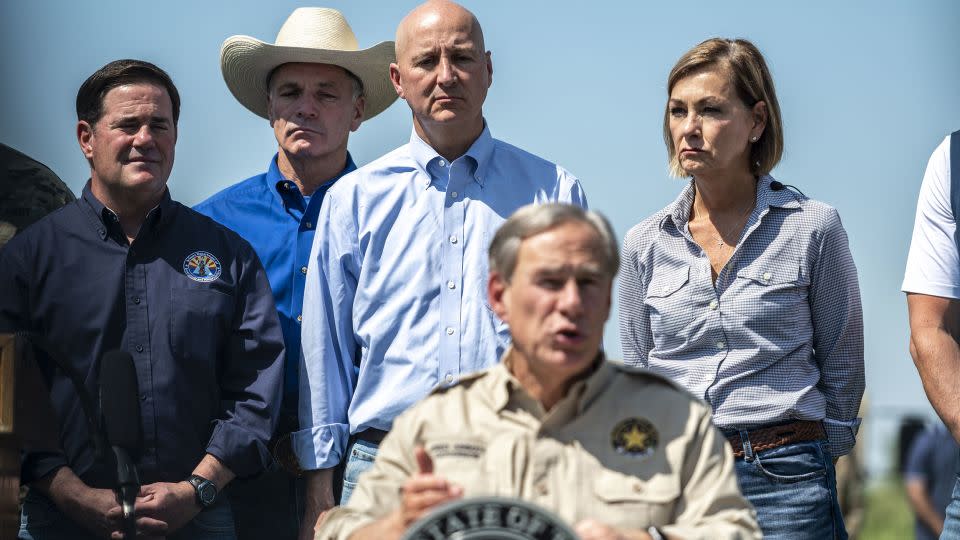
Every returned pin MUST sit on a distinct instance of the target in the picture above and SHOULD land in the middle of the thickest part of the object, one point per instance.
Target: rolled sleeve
(328, 375)
(838, 335)
(251, 382)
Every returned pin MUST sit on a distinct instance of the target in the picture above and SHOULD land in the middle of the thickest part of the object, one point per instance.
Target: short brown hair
(748, 72)
(118, 73)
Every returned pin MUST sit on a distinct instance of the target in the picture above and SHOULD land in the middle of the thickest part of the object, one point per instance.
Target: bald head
(435, 13)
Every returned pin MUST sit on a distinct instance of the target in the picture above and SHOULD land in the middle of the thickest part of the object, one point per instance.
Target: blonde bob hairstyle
(743, 63)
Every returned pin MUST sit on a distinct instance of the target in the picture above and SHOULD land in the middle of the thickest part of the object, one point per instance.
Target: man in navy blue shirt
(314, 86)
(125, 267)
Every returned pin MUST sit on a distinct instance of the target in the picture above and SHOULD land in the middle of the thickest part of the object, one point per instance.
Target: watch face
(207, 493)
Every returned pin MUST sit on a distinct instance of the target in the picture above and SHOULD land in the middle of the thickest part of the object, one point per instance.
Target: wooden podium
(27, 421)
(9, 445)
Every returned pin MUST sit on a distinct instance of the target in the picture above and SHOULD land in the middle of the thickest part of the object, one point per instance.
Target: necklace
(740, 222)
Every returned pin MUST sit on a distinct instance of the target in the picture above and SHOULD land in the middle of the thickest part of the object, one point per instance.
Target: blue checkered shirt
(779, 337)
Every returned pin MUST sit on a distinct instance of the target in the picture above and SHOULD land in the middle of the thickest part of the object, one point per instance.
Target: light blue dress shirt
(398, 302)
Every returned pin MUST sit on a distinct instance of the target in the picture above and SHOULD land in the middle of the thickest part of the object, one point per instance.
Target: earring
(754, 138)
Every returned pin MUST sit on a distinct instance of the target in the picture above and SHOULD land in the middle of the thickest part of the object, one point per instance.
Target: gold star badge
(634, 437)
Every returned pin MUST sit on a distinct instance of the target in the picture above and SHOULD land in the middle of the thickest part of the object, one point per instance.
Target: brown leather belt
(765, 438)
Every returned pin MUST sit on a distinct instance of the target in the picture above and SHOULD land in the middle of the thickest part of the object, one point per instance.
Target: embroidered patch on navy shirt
(202, 266)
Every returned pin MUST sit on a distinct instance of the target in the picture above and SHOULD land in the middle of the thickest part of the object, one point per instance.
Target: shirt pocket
(668, 303)
(199, 322)
(626, 501)
(774, 297)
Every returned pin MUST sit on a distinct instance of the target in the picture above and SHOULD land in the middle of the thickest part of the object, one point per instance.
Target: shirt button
(443, 163)
(143, 397)
(136, 299)
(309, 225)
(303, 269)
(637, 488)
(454, 194)
(721, 344)
(299, 318)
(449, 378)
(139, 348)
(542, 489)
(453, 239)
(714, 304)
(451, 285)
(767, 276)
(450, 330)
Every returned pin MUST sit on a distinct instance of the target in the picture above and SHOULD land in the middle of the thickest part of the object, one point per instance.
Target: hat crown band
(317, 29)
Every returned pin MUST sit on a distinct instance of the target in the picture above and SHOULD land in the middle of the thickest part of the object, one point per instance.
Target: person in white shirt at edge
(397, 304)
(932, 284)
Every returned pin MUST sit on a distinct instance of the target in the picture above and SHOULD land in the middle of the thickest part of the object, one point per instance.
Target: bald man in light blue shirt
(397, 304)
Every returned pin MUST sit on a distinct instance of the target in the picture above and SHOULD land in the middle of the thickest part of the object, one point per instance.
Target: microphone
(778, 186)
(120, 404)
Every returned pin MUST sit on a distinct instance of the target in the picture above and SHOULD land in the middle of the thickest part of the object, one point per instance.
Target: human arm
(934, 330)
(922, 505)
(96, 510)
(327, 371)
(165, 507)
(919, 471)
(422, 492)
(837, 318)
(635, 331)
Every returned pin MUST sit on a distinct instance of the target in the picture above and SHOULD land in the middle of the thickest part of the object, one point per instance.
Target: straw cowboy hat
(315, 35)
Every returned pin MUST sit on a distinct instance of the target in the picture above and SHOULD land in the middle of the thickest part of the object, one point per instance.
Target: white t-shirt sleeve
(933, 265)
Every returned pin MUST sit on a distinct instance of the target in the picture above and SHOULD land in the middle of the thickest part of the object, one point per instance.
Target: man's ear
(496, 296)
(358, 106)
(395, 79)
(84, 138)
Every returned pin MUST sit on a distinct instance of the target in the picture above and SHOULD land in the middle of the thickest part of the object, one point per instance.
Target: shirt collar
(282, 187)
(505, 386)
(104, 219)
(766, 197)
(480, 154)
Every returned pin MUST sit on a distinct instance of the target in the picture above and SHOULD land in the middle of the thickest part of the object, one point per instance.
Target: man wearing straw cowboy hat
(397, 303)
(315, 86)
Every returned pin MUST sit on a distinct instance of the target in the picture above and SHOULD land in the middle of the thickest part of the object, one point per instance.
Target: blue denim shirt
(269, 211)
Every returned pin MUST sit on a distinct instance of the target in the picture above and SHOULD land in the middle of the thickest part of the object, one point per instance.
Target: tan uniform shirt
(625, 447)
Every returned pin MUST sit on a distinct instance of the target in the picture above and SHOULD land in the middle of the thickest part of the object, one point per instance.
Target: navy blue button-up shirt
(269, 211)
(191, 303)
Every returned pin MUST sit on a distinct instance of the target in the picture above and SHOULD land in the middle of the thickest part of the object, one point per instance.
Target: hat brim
(247, 62)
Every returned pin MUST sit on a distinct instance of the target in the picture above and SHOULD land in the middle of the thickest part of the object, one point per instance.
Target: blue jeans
(951, 524)
(40, 519)
(794, 490)
(360, 456)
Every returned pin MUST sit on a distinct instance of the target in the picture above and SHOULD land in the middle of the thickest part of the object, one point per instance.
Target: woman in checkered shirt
(743, 290)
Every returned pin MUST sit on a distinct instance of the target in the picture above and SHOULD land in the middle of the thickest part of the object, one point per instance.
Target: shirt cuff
(36, 465)
(239, 449)
(320, 447)
(341, 522)
(842, 435)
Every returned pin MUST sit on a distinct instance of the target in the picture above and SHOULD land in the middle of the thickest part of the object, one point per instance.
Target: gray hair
(534, 219)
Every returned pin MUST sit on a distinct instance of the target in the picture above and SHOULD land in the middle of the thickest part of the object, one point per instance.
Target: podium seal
(488, 518)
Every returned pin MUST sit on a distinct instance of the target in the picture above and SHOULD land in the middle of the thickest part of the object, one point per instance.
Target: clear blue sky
(867, 89)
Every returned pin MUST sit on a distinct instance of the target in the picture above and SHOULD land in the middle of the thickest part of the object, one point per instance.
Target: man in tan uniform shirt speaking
(615, 452)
